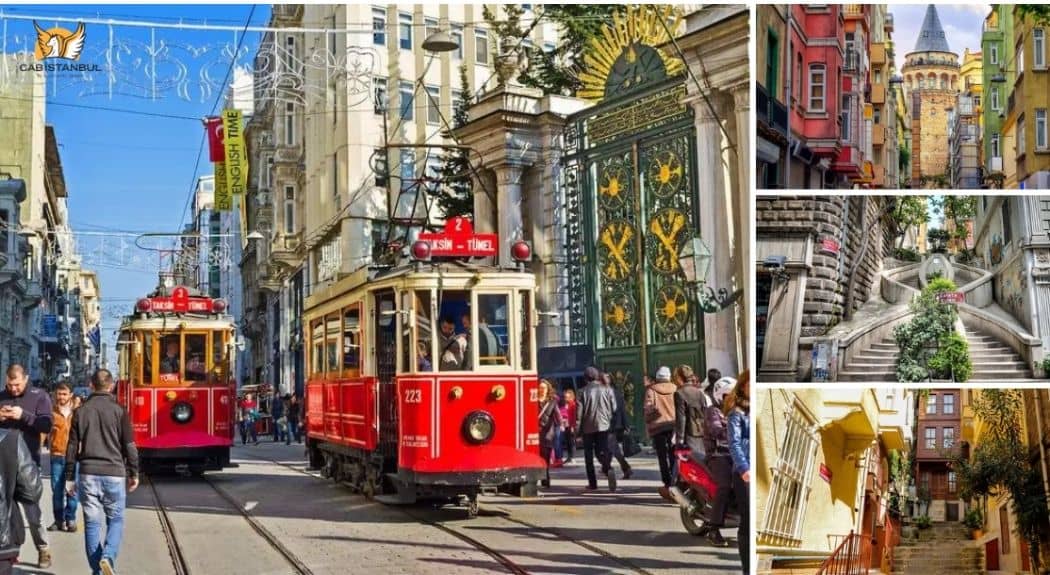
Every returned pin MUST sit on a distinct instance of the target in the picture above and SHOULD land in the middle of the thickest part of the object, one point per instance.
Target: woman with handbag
(550, 419)
(659, 423)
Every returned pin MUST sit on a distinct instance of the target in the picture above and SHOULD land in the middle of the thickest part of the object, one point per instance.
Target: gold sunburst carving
(640, 25)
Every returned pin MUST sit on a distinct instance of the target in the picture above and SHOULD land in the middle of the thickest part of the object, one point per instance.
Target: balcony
(878, 135)
(772, 112)
(851, 61)
(878, 94)
(888, 23)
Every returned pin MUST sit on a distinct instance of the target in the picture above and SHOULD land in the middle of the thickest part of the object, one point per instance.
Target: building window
(995, 98)
(407, 104)
(289, 210)
(931, 438)
(948, 439)
(404, 31)
(289, 124)
(433, 101)
(931, 404)
(378, 27)
(481, 46)
(877, 116)
(995, 147)
(789, 491)
(264, 172)
(1040, 128)
(1004, 528)
(772, 62)
(457, 35)
(1019, 50)
(5, 220)
(817, 81)
(1038, 49)
(335, 175)
(845, 115)
(1020, 136)
(993, 56)
(381, 96)
(797, 90)
(953, 482)
(948, 401)
(289, 54)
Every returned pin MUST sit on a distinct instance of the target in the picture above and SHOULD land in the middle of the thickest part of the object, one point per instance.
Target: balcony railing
(770, 111)
(851, 61)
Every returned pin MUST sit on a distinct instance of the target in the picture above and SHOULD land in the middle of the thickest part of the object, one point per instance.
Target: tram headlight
(182, 412)
(478, 427)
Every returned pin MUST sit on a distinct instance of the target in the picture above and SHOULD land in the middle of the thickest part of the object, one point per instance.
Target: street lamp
(254, 236)
(439, 42)
(695, 259)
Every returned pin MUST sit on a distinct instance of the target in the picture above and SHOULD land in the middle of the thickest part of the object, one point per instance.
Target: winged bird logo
(59, 42)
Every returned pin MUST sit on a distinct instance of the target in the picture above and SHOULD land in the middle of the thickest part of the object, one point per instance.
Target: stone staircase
(992, 360)
(943, 549)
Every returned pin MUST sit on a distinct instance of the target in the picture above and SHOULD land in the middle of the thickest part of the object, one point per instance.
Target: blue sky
(128, 171)
(962, 26)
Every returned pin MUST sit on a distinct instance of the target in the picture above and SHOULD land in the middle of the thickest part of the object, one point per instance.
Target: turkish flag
(216, 149)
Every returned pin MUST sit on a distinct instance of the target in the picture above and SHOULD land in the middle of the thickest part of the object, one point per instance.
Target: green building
(997, 53)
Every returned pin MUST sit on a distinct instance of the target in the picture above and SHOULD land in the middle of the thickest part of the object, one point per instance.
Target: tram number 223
(413, 396)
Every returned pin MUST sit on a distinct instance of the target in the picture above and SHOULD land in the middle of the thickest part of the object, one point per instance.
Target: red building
(854, 113)
(937, 441)
(817, 42)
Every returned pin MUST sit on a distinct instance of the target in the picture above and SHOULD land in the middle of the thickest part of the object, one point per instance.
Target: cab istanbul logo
(58, 44)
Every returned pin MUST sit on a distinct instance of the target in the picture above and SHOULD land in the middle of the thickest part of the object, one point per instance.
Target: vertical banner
(236, 157)
(216, 149)
(223, 200)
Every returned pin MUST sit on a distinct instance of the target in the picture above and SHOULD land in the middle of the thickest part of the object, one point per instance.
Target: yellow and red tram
(422, 380)
(175, 380)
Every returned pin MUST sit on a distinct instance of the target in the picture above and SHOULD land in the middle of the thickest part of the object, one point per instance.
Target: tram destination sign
(458, 240)
(181, 302)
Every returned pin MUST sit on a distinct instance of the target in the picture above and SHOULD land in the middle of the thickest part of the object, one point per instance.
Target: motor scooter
(695, 493)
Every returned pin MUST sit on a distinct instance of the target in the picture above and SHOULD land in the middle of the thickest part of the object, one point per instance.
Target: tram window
(171, 358)
(492, 329)
(352, 338)
(332, 333)
(218, 352)
(453, 338)
(196, 347)
(147, 358)
(424, 331)
(525, 329)
(317, 347)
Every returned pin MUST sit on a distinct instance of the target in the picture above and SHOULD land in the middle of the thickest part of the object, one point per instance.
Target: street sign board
(951, 297)
(829, 246)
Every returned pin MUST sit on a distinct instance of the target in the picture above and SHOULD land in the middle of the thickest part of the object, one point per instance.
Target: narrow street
(330, 530)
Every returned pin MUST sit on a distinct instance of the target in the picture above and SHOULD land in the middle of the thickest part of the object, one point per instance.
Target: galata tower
(931, 81)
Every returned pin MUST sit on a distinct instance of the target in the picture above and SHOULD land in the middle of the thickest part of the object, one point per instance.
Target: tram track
(178, 558)
(501, 558)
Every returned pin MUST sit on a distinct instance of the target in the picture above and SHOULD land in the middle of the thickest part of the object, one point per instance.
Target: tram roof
(449, 275)
(173, 321)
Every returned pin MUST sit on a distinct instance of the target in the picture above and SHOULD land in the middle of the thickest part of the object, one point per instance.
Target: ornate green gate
(630, 184)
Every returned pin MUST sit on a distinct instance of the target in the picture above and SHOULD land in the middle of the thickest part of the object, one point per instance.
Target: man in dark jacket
(19, 482)
(102, 442)
(28, 409)
(618, 427)
(596, 405)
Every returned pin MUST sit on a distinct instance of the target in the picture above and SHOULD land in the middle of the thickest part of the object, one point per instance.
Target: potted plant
(1045, 364)
(923, 522)
(974, 522)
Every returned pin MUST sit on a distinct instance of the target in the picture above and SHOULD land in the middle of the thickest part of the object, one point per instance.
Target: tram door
(384, 358)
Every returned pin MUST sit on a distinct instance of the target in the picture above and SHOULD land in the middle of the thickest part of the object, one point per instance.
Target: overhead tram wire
(218, 99)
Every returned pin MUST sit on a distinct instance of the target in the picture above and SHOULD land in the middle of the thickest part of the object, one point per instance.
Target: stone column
(509, 224)
(720, 333)
(741, 213)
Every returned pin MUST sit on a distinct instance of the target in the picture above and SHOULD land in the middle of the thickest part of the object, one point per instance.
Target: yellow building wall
(830, 512)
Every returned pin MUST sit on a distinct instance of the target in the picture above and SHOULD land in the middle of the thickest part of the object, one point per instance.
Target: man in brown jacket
(659, 422)
(64, 505)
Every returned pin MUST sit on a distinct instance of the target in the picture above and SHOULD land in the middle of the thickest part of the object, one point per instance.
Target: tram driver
(453, 346)
(169, 364)
(488, 344)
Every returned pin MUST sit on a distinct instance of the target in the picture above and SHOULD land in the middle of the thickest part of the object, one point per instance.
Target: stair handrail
(849, 558)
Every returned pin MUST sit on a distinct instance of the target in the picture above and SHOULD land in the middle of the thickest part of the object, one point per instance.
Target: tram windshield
(180, 358)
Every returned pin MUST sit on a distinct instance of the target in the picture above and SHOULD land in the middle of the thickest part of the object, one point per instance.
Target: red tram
(422, 379)
(176, 380)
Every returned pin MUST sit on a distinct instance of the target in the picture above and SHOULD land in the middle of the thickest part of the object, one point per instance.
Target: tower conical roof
(931, 37)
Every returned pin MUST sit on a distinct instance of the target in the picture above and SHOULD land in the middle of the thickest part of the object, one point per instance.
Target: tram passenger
(423, 356)
(453, 346)
(488, 343)
(195, 368)
(169, 364)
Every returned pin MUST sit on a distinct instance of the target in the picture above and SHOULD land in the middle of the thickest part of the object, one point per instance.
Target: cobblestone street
(329, 530)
